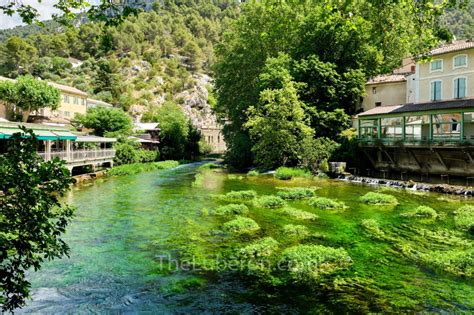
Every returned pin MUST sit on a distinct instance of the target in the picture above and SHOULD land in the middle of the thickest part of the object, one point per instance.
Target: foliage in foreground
(231, 209)
(296, 193)
(269, 202)
(325, 203)
(32, 219)
(130, 169)
(374, 198)
(286, 173)
(241, 225)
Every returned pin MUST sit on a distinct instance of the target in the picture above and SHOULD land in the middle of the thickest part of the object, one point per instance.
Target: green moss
(306, 263)
(422, 212)
(373, 198)
(253, 173)
(240, 195)
(263, 247)
(241, 225)
(135, 168)
(326, 203)
(299, 214)
(296, 231)
(296, 193)
(286, 173)
(231, 209)
(372, 227)
(269, 202)
(464, 218)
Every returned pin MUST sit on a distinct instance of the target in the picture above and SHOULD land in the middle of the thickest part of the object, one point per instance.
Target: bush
(306, 263)
(326, 203)
(373, 198)
(464, 218)
(126, 153)
(296, 193)
(239, 195)
(299, 214)
(297, 231)
(422, 211)
(269, 202)
(241, 225)
(253, 173)
(231, 209)
(148, 155)
(130, 169)
(286, 173)
(323, 166)
(263, 247)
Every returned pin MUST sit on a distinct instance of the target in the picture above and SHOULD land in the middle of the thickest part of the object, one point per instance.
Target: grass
(296, 231)
(326, 203)
(421, 212)
(286, 173)
(135, 168)
(241, 225)
(464, 218)
(269, 202)
(374, 198)
(263, 247)
(296, 193)
(253, 173)
(299, 214)
(240, 195)
(231, 209)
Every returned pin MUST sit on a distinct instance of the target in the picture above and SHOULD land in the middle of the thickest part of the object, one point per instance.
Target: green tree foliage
(28, 94)
(105, 121)
(32, 219)
(17, 57)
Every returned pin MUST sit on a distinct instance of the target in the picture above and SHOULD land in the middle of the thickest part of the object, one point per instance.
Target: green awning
(41, 134)
(65, 135)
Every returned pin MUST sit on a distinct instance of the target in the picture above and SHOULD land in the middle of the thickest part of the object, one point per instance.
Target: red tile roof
(454, 46)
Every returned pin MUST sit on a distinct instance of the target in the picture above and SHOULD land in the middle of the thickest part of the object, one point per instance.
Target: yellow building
(385, 90)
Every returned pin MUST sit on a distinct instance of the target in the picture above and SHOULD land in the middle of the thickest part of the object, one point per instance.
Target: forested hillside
(155, 57)
(461, 21)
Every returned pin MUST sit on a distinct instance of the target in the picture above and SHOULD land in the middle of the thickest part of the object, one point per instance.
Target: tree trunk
(26, 114)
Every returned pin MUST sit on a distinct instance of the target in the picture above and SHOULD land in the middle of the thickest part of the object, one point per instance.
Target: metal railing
(79, 155)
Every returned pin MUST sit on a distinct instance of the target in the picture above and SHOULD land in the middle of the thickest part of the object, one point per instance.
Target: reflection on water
(126, 226)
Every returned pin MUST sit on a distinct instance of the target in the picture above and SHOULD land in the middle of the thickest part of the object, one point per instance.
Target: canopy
(41, 134)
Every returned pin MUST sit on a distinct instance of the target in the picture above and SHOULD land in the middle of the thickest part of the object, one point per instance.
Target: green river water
(128, 230)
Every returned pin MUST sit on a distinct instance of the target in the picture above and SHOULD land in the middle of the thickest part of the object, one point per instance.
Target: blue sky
(45, 8)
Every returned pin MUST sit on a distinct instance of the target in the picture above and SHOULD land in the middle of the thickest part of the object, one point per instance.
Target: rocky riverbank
(439, 188)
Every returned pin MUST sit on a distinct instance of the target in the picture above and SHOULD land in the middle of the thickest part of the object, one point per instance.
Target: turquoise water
(129, 232)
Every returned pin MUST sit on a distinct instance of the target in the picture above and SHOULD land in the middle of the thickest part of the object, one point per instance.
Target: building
(385, 90)
(91, 103)
(147, 134)
(433, 131)
(212, 135)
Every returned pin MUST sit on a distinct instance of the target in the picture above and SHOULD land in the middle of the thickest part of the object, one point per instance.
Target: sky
(45, 8)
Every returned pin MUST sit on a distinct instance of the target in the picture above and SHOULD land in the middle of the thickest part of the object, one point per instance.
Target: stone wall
(213, 136)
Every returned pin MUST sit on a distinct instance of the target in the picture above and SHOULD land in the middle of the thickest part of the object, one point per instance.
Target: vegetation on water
(296, 193)
(231, 209)
(241, 195)
(372, 227)
(296, 231)
(130, 169)
(375, 198)
(269, 202)
(260, 248)
(299, 214)
(422, 211)
(326, 203)
(464, 218)
(253, 173)
(241, 225)
(286, 173)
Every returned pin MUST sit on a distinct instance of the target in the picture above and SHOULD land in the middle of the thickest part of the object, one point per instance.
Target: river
(128, 230)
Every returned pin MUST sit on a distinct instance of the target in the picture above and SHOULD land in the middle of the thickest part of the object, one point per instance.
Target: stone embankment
(78, 179)
(439, 188)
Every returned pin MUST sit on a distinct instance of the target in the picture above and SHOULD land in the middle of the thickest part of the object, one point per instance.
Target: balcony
(78, 156)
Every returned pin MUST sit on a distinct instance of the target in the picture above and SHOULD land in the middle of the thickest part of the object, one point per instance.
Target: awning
(94, 139)
(65, 135)
(41, 134)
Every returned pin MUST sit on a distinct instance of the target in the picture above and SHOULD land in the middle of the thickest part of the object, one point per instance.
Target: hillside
(164, 55)
(460, 21)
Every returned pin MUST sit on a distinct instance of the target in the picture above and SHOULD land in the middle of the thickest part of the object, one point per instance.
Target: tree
(105, 121)
(314, 151)
(32, 219)
(18, 57)
(29, 94)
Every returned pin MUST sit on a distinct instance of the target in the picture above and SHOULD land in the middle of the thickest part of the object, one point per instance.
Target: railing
(79, 155)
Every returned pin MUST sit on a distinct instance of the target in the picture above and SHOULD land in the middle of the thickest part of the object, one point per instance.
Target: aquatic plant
(372, 227)
(295, 193)
(326, 203)
(239, 195)
(208, 166)
(286, 173)
(135, 168)
(263, 247)
(464, 218)
(231, 209)
(235, 177)
(299, 214)
(241, 225)
(296, 231)
(422, 212)
(307, 263)
(374, 198)
(269, 202)
(458, 262)
(253, 173)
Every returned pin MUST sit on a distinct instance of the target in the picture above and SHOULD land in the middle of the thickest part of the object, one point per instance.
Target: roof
(420, 107)
(68, 89)
(139, 140)
(92, 101)
(454, 46)
(42, 132)
(87, 138)
(387, 78)
(146, 126)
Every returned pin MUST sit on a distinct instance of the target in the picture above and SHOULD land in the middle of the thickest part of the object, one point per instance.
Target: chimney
(413, 68)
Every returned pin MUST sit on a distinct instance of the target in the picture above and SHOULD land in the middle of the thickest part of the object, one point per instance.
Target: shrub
(297, 231)
(231, 209)
(464, 218)
(269, 202)
(306, 263)
(130, 169)
(326, 203)
(263, 247)
(253, 173)
(372, 227)
(299, 214)
(323, 166)
(148, 155)
(241, 225)
(422, 211)
(296, 193)
(239, 195)
(286, 173)
(126, 153)
(373, 198)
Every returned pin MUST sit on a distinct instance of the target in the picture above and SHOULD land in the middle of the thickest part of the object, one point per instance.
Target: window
(436, 65)
(66, 114)
(374, 90)
(83, 101)
(459, 87)
(76, 100)
(66, 98)
(378, 104)
(460, 61)
(436, 90)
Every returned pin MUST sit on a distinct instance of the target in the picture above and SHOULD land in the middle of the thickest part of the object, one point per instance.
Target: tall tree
(17, 57)
(105, 121)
